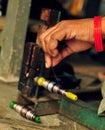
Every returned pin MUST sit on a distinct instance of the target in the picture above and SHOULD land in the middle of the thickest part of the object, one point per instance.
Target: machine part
(36, 56)
(53, 87)
(29, 89)
(25, 111)
(35, 62)
(46, 101)
(82, 112)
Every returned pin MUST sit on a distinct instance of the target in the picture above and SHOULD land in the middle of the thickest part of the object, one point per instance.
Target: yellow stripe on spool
(71, 96)
(40, 81)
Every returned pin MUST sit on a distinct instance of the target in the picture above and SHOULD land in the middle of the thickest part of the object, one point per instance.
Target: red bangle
(98, 33)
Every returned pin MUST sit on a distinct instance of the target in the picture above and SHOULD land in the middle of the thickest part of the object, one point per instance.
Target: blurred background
(70, 8)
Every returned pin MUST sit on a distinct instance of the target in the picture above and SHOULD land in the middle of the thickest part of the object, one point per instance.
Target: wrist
(103, 27)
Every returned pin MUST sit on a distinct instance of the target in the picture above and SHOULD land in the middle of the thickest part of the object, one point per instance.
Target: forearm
(103, 27)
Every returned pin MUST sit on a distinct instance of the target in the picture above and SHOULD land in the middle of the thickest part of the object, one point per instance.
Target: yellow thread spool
(71, 96)
(40, 81)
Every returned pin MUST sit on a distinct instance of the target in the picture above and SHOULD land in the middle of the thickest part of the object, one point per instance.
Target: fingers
(73, 46)
(44, 38)
(77, 34)
(52, 61)
(49, 39)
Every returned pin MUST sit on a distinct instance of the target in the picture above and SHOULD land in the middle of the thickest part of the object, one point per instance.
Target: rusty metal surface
(44, 105)
(47, 107)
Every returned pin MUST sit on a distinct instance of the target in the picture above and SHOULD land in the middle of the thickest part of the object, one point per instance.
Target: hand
(78, 35)
(73, 46)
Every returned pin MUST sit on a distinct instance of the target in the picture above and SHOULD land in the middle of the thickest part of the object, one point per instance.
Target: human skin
(77, 34)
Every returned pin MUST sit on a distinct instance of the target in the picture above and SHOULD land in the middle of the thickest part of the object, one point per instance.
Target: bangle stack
(98, 33)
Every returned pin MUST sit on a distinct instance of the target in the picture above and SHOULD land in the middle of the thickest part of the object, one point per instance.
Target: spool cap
(12, 103)
(40, 81)
(37, 119)
(72, 96)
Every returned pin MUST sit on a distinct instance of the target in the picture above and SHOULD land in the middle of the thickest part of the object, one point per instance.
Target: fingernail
(46, 65)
